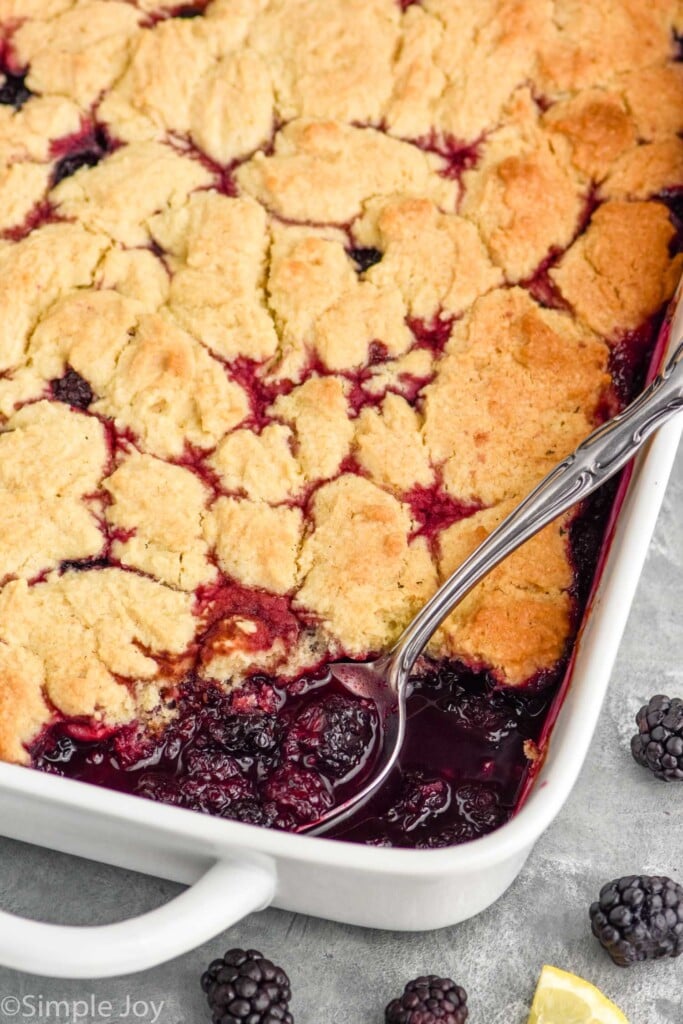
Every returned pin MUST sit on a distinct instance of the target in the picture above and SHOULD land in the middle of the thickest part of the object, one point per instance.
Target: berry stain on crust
(542, 287)
(432, 334)
(42, 213)
(433, 510)
(262, 393)
(459, 156)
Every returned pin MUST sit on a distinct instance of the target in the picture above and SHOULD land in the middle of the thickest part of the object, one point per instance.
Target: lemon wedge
(563, 998)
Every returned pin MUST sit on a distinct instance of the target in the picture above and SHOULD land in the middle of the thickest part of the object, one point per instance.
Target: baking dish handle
(226, 893)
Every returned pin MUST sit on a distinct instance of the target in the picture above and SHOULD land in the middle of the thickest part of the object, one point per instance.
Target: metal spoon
(604, 452)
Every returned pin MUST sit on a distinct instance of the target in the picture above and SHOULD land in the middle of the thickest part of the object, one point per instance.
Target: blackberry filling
(280, 758)
(14, 92)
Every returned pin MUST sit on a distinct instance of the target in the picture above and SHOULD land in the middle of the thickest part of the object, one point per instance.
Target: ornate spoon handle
(599, 457)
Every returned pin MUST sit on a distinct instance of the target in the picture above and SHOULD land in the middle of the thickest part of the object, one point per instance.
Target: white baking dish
(233, 869)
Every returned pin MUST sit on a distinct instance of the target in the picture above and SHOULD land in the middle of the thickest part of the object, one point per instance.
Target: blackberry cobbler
(299, 297)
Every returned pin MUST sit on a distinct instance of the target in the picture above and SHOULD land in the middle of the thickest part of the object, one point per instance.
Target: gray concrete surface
(618, 820)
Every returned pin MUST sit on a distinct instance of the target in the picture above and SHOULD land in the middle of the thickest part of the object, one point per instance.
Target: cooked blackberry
(299, 792)
(422, 798)
(333, 735)
(83, 564)
(72, 389)
(658, 744)
(429, 1000)
(61, 751)
(250, 812)
(639, 917)
(249, 735)
(160, 788)
(365, 258)
(14, 92)
(68, 165)
(244, 986)
(86, 151)
(485, 712)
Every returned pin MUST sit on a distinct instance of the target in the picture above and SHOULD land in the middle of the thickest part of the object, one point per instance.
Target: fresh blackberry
(429, 1000)
(658, 744)
(639, 917)
(245, 988)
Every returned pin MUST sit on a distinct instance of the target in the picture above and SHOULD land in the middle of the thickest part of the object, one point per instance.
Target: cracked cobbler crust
(280, 277)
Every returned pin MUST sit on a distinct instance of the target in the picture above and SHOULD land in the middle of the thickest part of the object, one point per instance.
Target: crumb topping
(361, 574)
(157, 511)
(604, 276)
(323, 171)
(518, 617)
(298, 300)
(513, 394)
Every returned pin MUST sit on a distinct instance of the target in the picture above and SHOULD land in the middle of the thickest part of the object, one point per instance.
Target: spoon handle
(599, 457)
